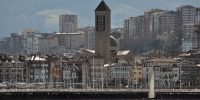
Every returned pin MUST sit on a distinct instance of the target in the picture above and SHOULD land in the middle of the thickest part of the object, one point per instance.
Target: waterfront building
(72, 74)
(118, 76)
(166, 72)
(13, 72)
(68, 23)
(137, 75)
(38, 69)
(171, 73)
(189, 75)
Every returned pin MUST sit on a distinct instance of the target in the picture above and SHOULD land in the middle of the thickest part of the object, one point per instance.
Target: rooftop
(123, 53)
(102, 7)
(162, 60)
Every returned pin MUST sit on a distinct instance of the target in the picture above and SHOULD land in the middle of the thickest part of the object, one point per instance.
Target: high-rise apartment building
(186, 15)
(167, 21)
(137, 27)
(126, 28)
(67, 23)
(152, 22)
(89, 37)
(198, 27)
(16, 44)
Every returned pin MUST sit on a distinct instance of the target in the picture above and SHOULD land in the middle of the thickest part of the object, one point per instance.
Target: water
(92, 99)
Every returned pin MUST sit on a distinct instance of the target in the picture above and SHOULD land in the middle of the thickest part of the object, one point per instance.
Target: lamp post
(180, 74)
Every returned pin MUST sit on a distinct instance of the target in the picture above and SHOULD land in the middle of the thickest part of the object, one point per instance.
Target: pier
(99, 93)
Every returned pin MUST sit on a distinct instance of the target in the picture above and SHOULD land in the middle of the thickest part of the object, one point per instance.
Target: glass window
(100, 23)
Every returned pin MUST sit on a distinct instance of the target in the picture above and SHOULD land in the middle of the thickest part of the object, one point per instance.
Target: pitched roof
(123, 53)
(102, 7)
(186, 6)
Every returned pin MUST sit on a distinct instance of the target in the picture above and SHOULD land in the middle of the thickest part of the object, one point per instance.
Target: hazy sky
(17, 15)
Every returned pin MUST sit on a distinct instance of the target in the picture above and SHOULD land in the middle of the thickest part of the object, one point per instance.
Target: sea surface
(93, 99)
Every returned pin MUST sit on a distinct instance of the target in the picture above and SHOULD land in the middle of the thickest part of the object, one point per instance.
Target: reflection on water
(86, 99)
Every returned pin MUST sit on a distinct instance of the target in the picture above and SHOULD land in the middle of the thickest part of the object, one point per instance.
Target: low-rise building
(13, 72)
(38, 69)
(118, 76)
(163, 70)
(72, 74)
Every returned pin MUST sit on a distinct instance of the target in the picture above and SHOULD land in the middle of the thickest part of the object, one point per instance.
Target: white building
(118, 75)
(31, 45)
(39, 70)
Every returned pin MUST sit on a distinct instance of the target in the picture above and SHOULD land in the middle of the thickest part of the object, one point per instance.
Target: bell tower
(102, 31)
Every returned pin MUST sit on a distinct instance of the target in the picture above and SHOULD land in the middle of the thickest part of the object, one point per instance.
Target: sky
(42, 15)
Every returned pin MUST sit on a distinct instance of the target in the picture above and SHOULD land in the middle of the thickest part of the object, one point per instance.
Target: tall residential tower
(67, 23)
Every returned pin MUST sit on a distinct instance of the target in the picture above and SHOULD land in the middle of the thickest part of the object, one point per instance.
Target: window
(73, 75)
(6, 70)
(100, 23)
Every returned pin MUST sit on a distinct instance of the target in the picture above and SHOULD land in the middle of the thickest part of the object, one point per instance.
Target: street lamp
(180, 74)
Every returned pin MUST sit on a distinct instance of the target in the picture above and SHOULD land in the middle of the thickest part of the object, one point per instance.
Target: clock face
(100, 23)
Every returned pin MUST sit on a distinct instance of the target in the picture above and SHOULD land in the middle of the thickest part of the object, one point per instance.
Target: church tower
(102, 31)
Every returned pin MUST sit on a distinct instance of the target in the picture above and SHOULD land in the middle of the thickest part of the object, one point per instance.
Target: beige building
(137, 75)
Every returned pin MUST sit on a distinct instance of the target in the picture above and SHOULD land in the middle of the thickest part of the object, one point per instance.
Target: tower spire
(102, 7)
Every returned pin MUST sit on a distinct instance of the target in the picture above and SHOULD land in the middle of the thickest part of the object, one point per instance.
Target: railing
(100, 90)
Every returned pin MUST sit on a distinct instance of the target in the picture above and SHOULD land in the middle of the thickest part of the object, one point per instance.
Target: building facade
(102, 31)
(47, 43)
(68, 23)
(118, 76)
(89, 37)
(186, 15)
(71, 41)
(13, 72)
(166, 72)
